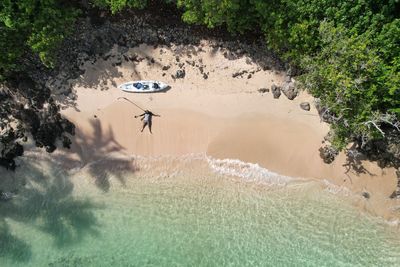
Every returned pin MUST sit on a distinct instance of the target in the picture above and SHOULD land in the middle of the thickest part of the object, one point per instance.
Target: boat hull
(143, 86)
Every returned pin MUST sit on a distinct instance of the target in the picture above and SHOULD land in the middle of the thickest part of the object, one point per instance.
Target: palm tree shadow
(11, 246)
(99, 153)
(45, 198)
(45, 202)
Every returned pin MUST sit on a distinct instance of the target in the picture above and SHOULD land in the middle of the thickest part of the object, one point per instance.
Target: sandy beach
(219, 115)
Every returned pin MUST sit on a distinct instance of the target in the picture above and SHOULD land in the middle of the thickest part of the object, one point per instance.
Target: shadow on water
(44, 201)
(11, 246)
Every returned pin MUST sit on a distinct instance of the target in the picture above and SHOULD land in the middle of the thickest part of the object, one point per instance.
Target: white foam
(336, 189)
(248, 171)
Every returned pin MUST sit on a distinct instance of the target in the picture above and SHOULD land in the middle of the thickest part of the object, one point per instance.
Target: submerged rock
(6, 196)
(366, 195)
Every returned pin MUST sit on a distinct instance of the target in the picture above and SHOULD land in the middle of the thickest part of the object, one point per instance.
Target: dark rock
(66, 142)
(68, 126)
(290, 90)
(395, 194)
(6, 196)
(33, 91)
(133, 57)
(15, 150)
(249, 76)
(263, 90)
(276, 91)
(180, 74)
(324, 113)
(50, 148)
(366, 195)
(305, 106)
(30, 118)
(166, 67)
(328, 154)
(239, 73)
(9, 164)
(205, 76)
(118, 61)
(229, 55)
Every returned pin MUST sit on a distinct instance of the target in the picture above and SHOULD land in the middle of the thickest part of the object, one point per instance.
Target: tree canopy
(32, 25)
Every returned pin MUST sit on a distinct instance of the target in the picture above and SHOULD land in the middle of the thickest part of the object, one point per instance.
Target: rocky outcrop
(328, 154)
(289, 90)
(276, 91)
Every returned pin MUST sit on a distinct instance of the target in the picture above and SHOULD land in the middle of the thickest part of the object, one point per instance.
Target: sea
(193, 210)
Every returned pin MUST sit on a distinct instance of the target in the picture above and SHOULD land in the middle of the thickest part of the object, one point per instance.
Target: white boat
(143, 86)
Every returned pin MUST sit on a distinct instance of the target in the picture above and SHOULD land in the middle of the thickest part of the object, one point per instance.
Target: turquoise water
(179, 212)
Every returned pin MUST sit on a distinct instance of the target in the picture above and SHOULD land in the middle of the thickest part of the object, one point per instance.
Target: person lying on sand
(146, 118)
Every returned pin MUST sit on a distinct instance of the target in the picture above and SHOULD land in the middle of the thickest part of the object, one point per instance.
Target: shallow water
(184, 212)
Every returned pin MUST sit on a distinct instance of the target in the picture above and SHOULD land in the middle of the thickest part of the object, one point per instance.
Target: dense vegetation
(30, 29)
(347, 52)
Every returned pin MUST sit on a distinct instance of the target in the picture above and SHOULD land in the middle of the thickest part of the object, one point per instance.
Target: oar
(131, 102)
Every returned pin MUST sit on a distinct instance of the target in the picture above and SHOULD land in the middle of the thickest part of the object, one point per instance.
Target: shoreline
(222, 116)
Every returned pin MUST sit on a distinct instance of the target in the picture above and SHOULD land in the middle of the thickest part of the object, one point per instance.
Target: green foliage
(118, 5)
(237, 15)
(31, 25)
(353, 81)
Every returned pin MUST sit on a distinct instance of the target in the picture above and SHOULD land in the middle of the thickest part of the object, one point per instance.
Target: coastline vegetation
(345, 53)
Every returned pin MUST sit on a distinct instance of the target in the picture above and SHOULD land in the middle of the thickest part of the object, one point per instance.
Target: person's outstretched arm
(139, 115)
(155, 115)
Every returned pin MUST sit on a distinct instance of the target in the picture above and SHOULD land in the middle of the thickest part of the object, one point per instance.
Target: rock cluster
(328, 154)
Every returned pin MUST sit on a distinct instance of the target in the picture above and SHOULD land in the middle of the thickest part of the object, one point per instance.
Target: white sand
(222, 116)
